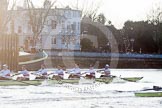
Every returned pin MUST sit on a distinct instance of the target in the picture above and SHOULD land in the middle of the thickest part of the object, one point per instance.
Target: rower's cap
(107, 65)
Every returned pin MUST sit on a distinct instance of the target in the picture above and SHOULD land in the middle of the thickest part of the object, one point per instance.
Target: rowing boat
(20, 83)
(54, 81)
(132, 79)
(105, 79)
(151, 93)
(156, 91)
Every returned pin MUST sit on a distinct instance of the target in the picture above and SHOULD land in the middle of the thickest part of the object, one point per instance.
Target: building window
(74, 14)
(29, 26)
(63, 40)
(53, 40)
(19, 29)
(69, 14)
(78, 14)
(61, 12)
(53, 24)
(63, 25)
(74, 40)
(68, 26)
(73, 26)
(78, 26)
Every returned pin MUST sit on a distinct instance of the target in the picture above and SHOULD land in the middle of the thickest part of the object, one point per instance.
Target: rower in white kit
(41, 73)
(57, 74)
(24, 74)
(90, 73)
(5, 73)
(75, 72)
(105, 72)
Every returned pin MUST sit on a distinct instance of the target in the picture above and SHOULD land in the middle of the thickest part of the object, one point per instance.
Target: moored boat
(32, 61)
(132, 79)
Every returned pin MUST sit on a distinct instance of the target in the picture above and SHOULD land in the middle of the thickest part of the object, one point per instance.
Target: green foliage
(94, 31)
(101, 18)
(144, 34)
(86, 44)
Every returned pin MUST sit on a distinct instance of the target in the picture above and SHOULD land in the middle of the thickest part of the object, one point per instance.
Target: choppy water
(118, 94)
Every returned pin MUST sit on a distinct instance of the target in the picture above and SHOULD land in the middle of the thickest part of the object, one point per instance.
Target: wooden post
(9, 52)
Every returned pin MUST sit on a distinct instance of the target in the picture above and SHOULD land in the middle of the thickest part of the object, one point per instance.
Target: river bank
(116, 60)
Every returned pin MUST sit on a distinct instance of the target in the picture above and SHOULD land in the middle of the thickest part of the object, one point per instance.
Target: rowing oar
(9, 79)
(156, 88)
(25, 82)
(99, 70)
(13, 78)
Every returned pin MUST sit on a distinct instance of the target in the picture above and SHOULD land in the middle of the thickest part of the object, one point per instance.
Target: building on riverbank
(61, 29)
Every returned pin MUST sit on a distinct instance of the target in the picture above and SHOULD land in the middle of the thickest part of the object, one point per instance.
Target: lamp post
(132, 42)
(140, 50)
(108, 46)
(125, 49)
(156, 24)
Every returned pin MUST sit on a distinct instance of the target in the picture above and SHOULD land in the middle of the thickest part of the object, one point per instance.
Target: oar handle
(156, 88)
(112, 76)
(99, 70)
(15, 74)
(36, 74)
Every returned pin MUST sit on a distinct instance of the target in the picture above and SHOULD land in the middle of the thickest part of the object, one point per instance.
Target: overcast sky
(118, 11)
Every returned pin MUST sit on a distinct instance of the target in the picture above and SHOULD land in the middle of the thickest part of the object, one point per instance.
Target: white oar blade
(97, 75)
(50, 76)
(16, 76)
(32, 77)
(66, 75)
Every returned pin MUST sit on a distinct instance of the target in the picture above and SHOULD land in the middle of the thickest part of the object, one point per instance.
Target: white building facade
(64, 30)
(61, 30)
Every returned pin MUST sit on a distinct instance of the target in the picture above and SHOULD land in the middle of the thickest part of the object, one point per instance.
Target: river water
(118, 94)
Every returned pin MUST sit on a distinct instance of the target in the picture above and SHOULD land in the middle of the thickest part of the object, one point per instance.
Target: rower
(106, 70)
(57, 74)
(41, 73)
(24, 74)
(5, 73)
(90, 73)
(75, 72)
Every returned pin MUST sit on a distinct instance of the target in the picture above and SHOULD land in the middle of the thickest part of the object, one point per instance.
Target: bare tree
(155, 18)
(89, 8)
(38, 17)
(101, 18)
(5, 14)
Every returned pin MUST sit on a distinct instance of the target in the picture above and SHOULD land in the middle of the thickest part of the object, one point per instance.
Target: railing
(95, 54)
